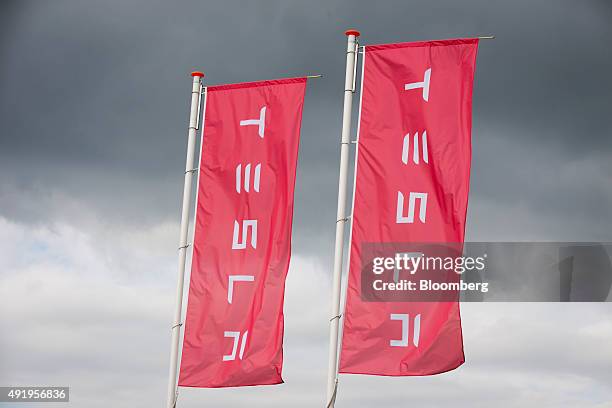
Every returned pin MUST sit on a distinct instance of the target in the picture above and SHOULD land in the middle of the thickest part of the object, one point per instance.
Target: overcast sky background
(93, 110)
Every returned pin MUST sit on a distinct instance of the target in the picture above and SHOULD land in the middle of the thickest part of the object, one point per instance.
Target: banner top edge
(283, 81)
(432, 43)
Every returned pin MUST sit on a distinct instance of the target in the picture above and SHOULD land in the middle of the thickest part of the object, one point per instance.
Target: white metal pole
(196, 94)
(349, 88)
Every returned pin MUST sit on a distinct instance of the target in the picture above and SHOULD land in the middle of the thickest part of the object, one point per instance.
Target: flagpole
(349, 88)
(196, 94)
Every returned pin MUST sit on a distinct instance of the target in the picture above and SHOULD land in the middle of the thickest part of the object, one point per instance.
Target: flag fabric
(412, 181)
(242, 240)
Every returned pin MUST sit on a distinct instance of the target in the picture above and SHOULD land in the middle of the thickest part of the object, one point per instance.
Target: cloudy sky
(93, 111)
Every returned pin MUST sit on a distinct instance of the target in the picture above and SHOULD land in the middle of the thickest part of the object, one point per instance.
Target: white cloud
(79, 309)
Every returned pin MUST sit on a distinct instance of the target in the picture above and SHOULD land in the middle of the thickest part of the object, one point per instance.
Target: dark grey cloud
(95, 97)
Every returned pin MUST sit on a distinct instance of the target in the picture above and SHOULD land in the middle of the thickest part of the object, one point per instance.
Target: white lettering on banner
(400, 219)
(236, 336)
(243, 344)
(416, 331)
(236, 278)
(260, 123)
(414, 257)
(247, 178)
(415, 148)
(424, 85)
(246, 226)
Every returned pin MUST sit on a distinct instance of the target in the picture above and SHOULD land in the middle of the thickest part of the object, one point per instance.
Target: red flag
(242, 244)
(412, 181)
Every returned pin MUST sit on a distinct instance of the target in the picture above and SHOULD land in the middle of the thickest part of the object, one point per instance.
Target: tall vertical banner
(242, 240)
(412, 181)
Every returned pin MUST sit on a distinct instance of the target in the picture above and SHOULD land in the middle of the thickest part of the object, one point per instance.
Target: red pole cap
(352, 32)
(197, 74)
